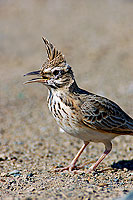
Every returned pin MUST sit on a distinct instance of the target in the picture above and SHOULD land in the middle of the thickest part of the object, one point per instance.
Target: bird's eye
(56, 72)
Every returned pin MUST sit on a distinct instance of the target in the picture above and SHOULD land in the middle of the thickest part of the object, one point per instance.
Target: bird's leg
(108, 147)
(72, 164)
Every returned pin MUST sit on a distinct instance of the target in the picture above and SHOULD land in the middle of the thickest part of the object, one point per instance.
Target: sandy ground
(97, 40)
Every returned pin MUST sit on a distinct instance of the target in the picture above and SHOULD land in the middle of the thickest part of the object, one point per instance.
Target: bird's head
(55, 72)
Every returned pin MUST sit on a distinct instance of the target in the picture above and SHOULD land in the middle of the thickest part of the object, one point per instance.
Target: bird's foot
(91, 169)
(70, 168)
(74, 168)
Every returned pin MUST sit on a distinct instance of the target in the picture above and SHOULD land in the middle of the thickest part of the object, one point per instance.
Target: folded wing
(104, 115)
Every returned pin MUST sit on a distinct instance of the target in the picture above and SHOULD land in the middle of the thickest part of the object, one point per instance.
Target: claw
(69, 168)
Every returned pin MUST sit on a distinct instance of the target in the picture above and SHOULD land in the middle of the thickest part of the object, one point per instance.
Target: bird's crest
(55, 57)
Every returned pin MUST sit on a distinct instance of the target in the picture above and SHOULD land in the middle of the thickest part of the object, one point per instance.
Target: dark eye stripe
(56, 72)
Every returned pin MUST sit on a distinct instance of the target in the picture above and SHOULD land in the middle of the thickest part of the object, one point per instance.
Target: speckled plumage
(81, 114)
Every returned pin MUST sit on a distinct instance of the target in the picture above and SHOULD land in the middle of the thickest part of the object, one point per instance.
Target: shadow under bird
(82, 114)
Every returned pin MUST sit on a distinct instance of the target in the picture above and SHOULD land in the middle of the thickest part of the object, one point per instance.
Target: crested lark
(82, 114)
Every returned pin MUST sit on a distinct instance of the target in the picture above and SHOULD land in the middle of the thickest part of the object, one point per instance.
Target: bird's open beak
(40, 79)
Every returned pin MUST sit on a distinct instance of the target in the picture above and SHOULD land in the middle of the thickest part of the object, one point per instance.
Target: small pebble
(3, 157)
(103, 184)
(90, 190)
(125, 170)
(15, 173)
(116, 179)
(30, 175)
(31, 189)
(3, 174)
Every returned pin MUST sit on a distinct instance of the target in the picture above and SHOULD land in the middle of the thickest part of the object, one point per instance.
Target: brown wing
(104, 115)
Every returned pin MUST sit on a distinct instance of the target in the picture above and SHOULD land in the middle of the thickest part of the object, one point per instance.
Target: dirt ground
(96, 38)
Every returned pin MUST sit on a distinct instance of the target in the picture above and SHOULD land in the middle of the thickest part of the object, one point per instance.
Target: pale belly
(84, 133)
(69, 121)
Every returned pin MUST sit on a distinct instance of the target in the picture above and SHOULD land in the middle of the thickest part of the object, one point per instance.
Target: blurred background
(96, 38)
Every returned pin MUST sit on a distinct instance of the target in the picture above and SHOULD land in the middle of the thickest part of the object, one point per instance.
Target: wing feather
(104, 115)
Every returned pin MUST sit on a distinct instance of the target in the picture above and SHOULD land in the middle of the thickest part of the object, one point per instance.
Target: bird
(82, 114)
